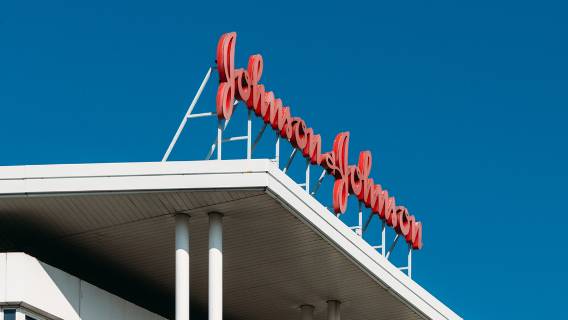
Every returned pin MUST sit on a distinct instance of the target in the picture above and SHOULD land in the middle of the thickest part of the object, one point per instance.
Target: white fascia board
(132, 177)
(225, 174)
(133, 169)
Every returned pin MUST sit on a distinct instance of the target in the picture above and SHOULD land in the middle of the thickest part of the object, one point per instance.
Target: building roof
(113, 225)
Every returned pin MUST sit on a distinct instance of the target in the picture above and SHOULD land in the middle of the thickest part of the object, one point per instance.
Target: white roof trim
(225, 174)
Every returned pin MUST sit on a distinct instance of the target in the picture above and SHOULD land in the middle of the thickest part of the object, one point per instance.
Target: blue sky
(464, 107)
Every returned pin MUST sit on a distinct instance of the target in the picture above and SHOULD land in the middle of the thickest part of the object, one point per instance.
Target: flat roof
(113, 224)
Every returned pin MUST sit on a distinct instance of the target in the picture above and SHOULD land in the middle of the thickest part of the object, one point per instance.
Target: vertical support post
(333, 310)
(384, 239)
(308, 175)
(360, 230)
(215, 266)
(219, 138)
(249, 134)
(409, 270)
(307, 312)
(182, 267)
(277, 151)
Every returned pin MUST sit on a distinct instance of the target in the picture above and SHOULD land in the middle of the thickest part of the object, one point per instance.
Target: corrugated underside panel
(124, 242)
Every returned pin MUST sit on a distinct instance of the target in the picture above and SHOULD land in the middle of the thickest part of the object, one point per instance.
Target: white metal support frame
(187, 115)
(381, 246)
(215, 266)
(219, 138)
(383, 238)
(182, 267)
(258, 136)
(366, 225)
(251, 145)
(307, 184)
(292, 155)
(237, 138)
(215, 142)
(220, 127)
(392, 245)
(277, 151)
(249, 134)
(360, 225)
(409, 266)
(201, 115)
(318, 184)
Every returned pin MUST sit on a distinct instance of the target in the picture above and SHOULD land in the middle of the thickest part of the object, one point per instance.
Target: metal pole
(360, 230)
(215, 266)
(368, 221)
(189, 110)
(290, 160)
(249, 134)
(307, 176)
(383, 239)
(333, 310)
(182, 267)
(214, 144)
(307, 312)
(393, 245)
(258, 136)
(409, 271)
(219, 138)
(277, 151)
(318, 184)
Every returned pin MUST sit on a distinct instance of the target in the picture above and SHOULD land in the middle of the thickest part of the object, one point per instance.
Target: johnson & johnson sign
(244, 85)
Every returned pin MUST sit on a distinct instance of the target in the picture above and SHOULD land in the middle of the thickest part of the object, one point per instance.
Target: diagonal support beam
(258, 136)
(187, 114)
(318, 184)
(392, 245)
(292, 155)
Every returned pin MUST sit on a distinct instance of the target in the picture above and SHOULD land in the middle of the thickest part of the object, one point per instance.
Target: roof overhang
(282, 247)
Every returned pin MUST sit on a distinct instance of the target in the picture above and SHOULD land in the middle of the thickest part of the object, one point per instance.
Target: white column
(20, 315)
(333, 310)
(215, 266)
(307, 312)
(182, 267)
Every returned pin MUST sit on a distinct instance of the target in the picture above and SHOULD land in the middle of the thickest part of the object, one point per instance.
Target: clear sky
(464, 107)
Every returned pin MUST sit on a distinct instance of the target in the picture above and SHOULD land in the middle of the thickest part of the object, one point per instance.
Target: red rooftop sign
(244, 85)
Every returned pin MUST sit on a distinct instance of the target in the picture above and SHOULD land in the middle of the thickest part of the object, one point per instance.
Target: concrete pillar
(333, 310)
(182, 267)
(307, 312)
(215, 266)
